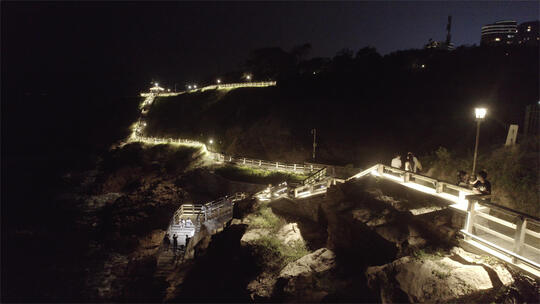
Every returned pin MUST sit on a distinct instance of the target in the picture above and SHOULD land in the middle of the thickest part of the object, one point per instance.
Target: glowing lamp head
(480, 113)
(189, 87)
(194, 86)
(211, 141)
(156, 84)
(168, 90)
(248, 77)
(219, 81)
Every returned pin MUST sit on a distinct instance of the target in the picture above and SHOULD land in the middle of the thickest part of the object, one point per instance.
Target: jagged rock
(289, 234)
(415, 238)
(318, 261)
(363, 215)
(434, 279)
(262, 286)
(253, 235)
(309, 278)
(504, 276)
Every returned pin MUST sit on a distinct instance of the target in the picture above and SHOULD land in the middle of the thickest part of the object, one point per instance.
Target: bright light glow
(211, 141)
(497, 39)
(156, 84)
(248, 77)
(194, 86)
(168, 90)
(480, 113)
(218, 81)
(423, 66)
(189, 87)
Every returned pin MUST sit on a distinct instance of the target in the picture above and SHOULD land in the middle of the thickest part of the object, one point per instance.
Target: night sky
(125, 45)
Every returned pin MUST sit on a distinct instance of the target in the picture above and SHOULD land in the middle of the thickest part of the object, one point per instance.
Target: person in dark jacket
(175, 242)
(482, 185)
(166, 242)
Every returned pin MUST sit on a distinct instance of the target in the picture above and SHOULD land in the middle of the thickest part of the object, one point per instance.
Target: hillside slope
(363, 114)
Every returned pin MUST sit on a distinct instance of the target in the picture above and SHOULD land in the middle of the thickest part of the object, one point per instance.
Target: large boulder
(253, 235)
(308, 278)
(290, 234)
(433, 278)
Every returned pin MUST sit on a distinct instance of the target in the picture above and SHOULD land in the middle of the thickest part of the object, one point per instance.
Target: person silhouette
(166, 242)
(175, 242)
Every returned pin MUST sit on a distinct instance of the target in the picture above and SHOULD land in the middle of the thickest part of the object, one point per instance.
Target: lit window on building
(497, 39)
(528, 28)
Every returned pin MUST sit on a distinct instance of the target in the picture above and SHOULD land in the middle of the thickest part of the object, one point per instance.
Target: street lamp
(218, 81)
(194, 86)
(211, 141)
(480, 115)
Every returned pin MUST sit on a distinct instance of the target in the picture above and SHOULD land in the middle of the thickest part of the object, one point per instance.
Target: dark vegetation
(365, 106)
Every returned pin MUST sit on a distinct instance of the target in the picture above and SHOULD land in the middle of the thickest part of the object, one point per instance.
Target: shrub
(257, 176)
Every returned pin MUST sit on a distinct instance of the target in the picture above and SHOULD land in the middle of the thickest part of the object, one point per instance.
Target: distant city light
(497, 39)
(194, 86)
(248, 77)
(189, 87)
(156, 84)
(168, 90)
(480, 113)
(211, 141)
(423, 66)
(218, 81)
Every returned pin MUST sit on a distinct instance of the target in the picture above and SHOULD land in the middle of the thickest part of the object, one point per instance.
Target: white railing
(505, 231)
(260, 84)
(512, 233)
(264, 164)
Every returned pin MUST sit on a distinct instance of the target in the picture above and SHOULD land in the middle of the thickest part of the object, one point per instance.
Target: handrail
(480, 200)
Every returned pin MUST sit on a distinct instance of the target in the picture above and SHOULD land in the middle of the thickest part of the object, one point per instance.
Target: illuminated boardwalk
(495, 230)
(509, 235)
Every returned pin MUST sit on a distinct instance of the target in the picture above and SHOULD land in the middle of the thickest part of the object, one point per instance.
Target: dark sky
(130, 43)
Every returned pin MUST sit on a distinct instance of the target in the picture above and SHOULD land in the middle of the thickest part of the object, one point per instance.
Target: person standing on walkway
(166, 242)
(175, 243)
(412, 163)
(396, 161)
(187, 240)
(482, 185)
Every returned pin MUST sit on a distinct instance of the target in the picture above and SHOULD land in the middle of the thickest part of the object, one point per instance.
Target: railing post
(230, 158)
(439, 187)
(471, 206)
(294, 168)
(380, 169)
(311, 168)
(260, 162)
(519, 236)
(276, 165)
(406, 177)
(244, 160)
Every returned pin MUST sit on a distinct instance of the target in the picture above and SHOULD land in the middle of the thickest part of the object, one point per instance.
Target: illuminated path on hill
(509, 235)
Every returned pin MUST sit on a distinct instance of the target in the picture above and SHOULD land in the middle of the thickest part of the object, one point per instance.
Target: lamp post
(210, 142)
(480, 115)
(314, 132)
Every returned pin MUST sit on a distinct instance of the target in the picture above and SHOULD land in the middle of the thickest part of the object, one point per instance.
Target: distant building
(527, 33)
(499, 33)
